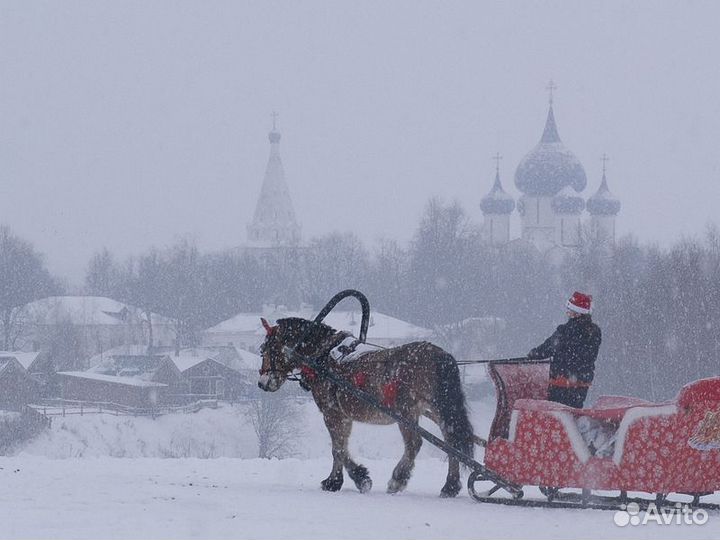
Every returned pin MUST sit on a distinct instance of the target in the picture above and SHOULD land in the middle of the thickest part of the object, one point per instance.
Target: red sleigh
(660, 448)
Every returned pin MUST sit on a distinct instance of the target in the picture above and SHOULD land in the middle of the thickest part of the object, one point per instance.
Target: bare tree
(276, 420)
(23, 279)
(103, 276)
(66, 346)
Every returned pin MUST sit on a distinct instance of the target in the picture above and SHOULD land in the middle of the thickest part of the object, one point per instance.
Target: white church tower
(550, 176)
(274, 223)
(496, 207)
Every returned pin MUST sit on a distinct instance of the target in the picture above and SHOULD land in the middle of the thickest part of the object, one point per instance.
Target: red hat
(580, 303)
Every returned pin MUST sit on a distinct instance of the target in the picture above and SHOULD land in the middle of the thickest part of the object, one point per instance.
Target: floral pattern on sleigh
(671, 447)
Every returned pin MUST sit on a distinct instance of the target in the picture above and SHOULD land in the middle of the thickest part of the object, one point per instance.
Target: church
(552, 206)
(274, 224)
(552, 209)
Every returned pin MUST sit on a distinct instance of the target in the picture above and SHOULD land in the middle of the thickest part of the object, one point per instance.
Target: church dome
(274, 136)
(549, 167)
(603, 203)
(497, 201)
(568, 202)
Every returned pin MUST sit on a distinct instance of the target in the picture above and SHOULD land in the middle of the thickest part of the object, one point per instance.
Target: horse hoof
(396, 486)
(332, 483)
(361, 477)
(449, 491)
(364, 485)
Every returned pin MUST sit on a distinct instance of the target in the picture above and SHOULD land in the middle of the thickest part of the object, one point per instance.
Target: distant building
(17, 388)
(220, 371)
(209, 378)
(157, 368)
(35, 363)
(90, 324)
(551, 207)
(111, 389)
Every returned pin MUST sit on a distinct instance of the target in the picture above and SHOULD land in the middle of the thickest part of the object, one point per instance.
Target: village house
(98, 388)
(130, 380)
(208, 377)
(17, 388)
(75, 328)
(216, 372)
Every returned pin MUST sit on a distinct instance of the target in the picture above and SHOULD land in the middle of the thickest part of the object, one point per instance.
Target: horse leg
(452, 482)
(357, 473)
(402, 471)
(339, 431)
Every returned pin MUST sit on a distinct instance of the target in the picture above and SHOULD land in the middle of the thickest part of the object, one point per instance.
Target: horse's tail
(451, 408)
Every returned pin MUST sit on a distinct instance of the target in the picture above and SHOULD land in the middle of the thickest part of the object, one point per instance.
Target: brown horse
(415, 379)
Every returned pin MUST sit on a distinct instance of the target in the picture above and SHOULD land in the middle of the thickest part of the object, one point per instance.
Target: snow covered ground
(99, 496)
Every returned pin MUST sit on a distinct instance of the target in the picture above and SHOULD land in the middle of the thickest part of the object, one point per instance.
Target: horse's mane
(294, 328)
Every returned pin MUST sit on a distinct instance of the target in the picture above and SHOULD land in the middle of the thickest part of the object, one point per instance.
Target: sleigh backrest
(512, 382)
(701, 393)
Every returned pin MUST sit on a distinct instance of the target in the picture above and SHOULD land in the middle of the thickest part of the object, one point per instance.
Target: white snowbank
(211, 433)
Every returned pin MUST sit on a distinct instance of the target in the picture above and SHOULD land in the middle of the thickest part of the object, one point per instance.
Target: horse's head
(276, 366)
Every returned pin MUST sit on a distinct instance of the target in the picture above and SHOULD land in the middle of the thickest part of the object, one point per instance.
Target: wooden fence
(66, 407)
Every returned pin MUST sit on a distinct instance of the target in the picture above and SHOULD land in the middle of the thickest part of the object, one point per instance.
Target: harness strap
(564, 382)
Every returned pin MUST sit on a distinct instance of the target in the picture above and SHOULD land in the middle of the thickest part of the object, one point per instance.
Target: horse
(416, 379)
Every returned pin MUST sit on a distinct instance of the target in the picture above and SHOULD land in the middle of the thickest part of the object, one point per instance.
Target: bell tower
(274, 222)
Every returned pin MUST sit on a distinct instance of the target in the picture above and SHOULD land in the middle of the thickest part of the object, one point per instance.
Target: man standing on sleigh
(573, 349)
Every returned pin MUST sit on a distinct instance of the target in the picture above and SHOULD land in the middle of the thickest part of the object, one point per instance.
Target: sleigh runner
(657, 448)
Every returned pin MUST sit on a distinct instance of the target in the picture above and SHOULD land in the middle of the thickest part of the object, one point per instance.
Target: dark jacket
(573, 348)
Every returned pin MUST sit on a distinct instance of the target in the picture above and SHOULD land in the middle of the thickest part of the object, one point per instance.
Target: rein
(517, 360)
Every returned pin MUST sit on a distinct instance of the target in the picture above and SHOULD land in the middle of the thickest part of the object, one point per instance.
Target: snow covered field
(241, 498)
(98, 496)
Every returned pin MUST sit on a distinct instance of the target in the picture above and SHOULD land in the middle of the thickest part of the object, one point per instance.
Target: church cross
(550, 87)
(604, 160)
(497, 157)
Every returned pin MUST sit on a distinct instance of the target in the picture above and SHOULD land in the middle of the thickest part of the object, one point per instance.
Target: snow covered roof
(137, 366)
(189, 358)
(84, 311)
(381, 326)
(228, 355)
(24, 358)
(127, 381)
(249, 360)
(549, 167)
(120, 350)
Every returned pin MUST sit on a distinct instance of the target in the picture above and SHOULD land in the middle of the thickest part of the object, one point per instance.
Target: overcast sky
(130, 124)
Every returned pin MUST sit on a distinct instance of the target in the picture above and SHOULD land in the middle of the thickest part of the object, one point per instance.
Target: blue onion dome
(549, 167)
(603, 203)
(568, 202)
(497, 201)
(274, 136)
